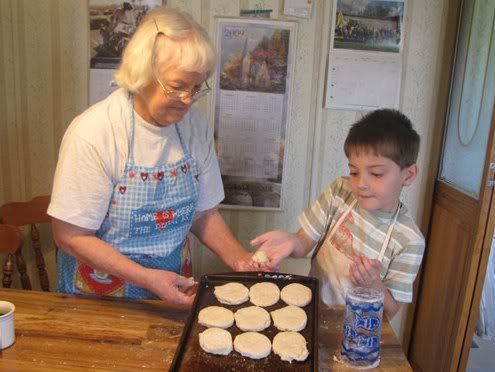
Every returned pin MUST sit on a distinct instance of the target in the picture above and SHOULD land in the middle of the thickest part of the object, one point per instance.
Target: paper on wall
(298, 8)
(101, 84)
(363, 82)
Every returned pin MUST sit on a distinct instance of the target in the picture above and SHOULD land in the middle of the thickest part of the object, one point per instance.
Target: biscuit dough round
(252, 318)
(289, 318)
(216, 316)
(296, 294)
(290, 346)
(216, 341)
(260, 257)
(264, 294)
(253, 345)
(232, 293)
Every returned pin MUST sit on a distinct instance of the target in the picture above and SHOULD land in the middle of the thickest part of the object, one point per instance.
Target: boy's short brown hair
(387, 133)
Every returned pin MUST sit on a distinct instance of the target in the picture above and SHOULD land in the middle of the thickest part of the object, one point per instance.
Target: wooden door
(452, 271)
(461, 224)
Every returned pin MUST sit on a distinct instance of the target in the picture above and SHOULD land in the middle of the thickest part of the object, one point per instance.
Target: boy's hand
(276, 245)
(365, 272)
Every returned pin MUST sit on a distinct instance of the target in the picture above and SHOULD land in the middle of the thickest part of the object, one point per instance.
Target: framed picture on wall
(251, 100)
(111, 25)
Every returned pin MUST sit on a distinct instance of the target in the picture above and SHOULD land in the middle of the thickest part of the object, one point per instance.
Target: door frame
(482, 247)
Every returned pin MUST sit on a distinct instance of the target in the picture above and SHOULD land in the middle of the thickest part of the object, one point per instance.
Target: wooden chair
(11, 244)
(30, 213)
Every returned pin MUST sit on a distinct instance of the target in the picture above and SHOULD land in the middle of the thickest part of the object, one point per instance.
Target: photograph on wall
(251, 99)
(369, 25)
(111, 24)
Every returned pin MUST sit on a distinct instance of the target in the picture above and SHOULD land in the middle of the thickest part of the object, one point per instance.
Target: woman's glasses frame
(178, 94)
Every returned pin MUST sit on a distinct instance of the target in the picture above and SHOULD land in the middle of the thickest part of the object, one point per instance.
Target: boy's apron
(331, 266)
(150, 213)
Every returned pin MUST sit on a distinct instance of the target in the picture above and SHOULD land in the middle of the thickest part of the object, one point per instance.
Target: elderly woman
(137, 171)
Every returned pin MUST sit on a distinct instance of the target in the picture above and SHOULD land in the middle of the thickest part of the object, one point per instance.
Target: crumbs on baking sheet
(279, 276)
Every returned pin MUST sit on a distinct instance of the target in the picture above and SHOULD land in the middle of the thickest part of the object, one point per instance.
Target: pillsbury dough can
(362, 328)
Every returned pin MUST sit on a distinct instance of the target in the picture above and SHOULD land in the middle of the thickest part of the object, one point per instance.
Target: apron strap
(334, 229)
(185, 149)
(130, 157)
(389, 234)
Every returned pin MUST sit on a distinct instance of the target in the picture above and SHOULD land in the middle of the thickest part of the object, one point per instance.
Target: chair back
(30, 213)
(10, 238)
(11, 244)
(26, 213)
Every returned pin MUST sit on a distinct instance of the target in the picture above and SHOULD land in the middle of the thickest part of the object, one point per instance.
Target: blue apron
(148, 219)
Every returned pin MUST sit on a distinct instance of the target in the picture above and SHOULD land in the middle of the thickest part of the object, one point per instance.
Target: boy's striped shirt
(364, 232)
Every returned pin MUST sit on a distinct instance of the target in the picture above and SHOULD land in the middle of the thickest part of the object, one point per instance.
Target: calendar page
(250, 127)
(251, 98)
(365, 56)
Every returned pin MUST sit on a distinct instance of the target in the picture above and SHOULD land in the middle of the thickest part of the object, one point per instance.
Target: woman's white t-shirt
(94, 152)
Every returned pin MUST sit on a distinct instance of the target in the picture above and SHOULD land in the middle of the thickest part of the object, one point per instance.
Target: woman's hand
(276, 245)
(365, 272)
(172, 288)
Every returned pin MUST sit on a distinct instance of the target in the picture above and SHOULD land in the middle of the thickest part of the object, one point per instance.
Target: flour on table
(290, 346)
(264, 294)
(252, 345)
(216, 316)
(252, 318)
(296, 294)
(289, 318)
(216, 341)
(232, 293)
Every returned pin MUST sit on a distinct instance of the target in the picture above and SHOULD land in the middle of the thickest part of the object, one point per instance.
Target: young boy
(366, 235)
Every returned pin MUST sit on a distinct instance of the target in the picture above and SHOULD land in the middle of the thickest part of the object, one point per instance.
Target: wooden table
(64, 332)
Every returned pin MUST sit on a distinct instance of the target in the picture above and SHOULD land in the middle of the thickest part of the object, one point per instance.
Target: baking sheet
(190, 357)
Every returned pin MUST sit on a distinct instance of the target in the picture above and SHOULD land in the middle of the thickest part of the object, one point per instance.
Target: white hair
(166, 38)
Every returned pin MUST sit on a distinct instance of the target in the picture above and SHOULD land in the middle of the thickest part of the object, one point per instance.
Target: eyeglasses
(178, 94)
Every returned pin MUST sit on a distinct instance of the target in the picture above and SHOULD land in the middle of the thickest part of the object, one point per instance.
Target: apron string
(389, 233)
(334, 229)
(130, 158)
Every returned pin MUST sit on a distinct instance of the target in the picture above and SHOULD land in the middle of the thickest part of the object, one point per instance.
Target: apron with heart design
(149, 216)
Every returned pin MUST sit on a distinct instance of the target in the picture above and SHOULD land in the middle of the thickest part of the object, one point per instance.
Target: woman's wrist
(238, 261)
(141, 276)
